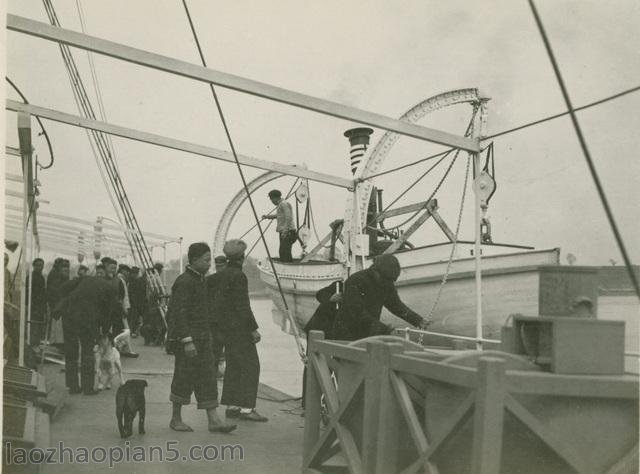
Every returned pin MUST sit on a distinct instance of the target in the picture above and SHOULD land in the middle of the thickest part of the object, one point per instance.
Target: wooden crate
(568, 345)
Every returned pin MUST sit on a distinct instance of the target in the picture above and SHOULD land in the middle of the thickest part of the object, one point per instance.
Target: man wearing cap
(232, 310)
(220, 263)
(582, 307)
(365, 293)
(285, 226)
(191, 326)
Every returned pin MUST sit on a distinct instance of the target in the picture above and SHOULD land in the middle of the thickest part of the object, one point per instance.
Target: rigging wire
(457, 151)
(426, 204)
(585, 149)
(96, 83)
(294, 327)
(508, 131)
(562, 114)
(136, 236)
(413, 163)
(44, 131)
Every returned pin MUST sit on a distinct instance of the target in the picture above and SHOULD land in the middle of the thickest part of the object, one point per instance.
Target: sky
(380, 56)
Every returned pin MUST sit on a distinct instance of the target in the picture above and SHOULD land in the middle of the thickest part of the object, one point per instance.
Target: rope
(44, 131)
(585, 149)
(294, 327)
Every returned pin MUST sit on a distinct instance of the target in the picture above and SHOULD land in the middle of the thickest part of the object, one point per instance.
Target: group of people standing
(207, 313)
(112, 301)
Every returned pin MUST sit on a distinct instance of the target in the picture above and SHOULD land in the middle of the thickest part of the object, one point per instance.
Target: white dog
(107, 363)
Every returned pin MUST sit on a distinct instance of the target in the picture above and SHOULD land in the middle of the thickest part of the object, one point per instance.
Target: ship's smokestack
(359, 140)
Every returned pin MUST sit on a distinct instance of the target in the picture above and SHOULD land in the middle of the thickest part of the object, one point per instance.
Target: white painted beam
(241, 84)
(174, 144)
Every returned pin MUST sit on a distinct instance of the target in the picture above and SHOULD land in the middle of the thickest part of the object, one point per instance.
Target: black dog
(129, 401)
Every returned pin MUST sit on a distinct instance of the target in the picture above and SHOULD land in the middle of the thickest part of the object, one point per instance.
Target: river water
(280, 365)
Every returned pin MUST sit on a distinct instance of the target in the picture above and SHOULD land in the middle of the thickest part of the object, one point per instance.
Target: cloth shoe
(253, 415)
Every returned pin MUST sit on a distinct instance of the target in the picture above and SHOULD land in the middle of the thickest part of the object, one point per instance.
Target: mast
(24, 136)
(480, 192)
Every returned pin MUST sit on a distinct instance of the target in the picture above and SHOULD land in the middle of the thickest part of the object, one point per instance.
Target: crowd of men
(70, 313)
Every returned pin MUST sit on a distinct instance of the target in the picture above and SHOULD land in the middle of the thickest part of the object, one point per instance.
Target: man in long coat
(57, 277)
(365, 294)
(190, 326)
(232, 310)
(38, 301)
(89, 301)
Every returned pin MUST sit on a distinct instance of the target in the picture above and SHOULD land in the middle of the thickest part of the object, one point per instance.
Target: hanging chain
(455, 237)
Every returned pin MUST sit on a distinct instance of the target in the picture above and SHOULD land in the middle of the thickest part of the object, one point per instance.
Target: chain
(453, 248)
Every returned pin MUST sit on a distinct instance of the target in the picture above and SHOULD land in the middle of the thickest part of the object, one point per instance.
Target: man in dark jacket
(365, 293)
(191, 327)
(38, 302)
(323, 318)
(57, 277)
(240, 331)
(88, 302)
(220, 262)
(137, 296)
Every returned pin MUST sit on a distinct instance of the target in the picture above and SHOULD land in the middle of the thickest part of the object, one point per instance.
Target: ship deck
(275, 446)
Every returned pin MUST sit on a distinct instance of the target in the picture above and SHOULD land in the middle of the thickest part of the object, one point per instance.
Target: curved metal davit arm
(376, 158)
(235, 204)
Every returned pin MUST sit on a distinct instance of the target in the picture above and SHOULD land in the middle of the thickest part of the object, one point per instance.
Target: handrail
(407, 331)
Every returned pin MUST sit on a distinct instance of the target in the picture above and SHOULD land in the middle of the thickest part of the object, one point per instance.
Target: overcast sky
(380, 56)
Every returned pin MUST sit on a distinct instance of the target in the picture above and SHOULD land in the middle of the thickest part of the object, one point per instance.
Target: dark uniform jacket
(54, 287)
(231, 306)
(137, 293)
(188, 315)
(39, 296)
(89, 301)
(325, 314)
(365, 294)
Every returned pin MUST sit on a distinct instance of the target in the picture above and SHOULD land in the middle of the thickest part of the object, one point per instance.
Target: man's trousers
(242, 373)
(195, 375)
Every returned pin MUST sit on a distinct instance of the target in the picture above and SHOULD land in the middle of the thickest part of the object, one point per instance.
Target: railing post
(381, 411)
(488, 416)
(313, 393)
